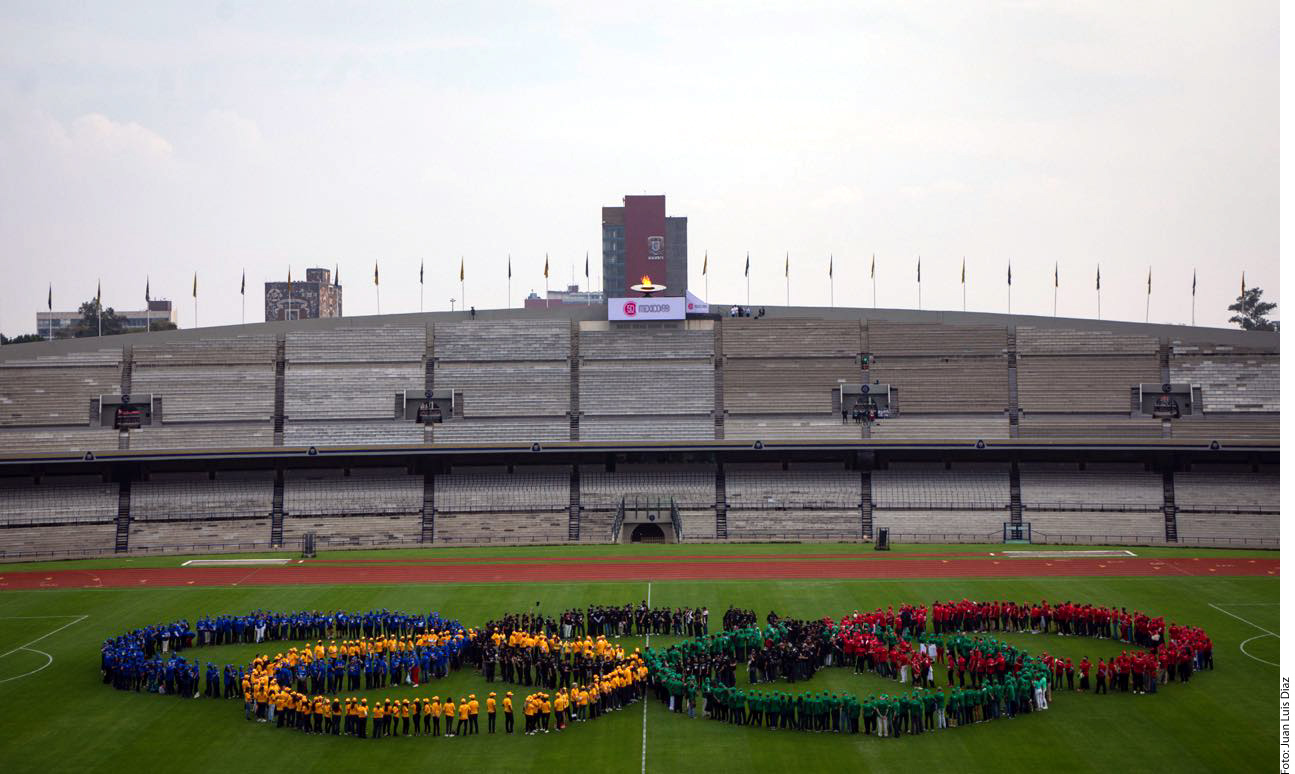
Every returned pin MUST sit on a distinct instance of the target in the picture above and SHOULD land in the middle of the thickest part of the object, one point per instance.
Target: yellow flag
(195, 284)
(375, 272)
(705, 261)
(460, 268)
(546, 266)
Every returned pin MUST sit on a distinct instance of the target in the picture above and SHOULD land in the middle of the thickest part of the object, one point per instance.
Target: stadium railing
(1221, 541)
(295, 544)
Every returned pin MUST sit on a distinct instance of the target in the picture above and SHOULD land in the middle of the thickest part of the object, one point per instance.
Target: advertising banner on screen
(696, 305)
(644, 239)
(629, 309)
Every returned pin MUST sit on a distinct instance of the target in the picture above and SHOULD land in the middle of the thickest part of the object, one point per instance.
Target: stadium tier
(552, 426)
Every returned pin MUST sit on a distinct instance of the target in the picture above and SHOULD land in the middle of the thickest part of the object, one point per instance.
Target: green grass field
(62, 718)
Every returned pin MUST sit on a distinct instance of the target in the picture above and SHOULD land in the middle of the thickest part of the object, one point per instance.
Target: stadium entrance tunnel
(647, 533)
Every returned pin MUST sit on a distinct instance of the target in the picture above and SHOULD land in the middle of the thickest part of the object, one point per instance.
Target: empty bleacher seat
(354, 432)
(809, 427)
(501, 507)
(204, 435)
(943, 526)
(788, 385)
(503, 340)
(502, 430)
(216, 379)
(57, 499)
(699, 427)
(363, 493)
(186, 496)
(965, 487)
(1057, 426)
(58, 439)
(791, 338)
(508, 389)
(968, 427)
(1100, 487)
(57, 389)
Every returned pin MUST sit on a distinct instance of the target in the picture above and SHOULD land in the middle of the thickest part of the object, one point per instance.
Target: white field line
(1266, 633)
(1242, 620)
(1251, 655)
(28, 646)
(235, 562)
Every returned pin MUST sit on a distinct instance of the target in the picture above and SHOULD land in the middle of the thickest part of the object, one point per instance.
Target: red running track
(632, 570)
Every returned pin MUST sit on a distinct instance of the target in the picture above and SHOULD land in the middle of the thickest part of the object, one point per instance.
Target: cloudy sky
(161, 139)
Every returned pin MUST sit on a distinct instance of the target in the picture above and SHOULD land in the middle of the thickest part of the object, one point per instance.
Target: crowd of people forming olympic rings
(949, 656)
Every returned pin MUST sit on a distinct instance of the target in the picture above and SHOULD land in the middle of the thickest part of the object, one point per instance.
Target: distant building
(314, 298)
(572, 295)
(639, 240)
(159, 310)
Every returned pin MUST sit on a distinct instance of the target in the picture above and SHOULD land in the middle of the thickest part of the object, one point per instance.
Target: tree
(26, 338)
(89, 324)
(1252, 311)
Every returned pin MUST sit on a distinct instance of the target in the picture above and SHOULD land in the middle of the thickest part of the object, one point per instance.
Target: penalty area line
(1266, 633)
(28, 646)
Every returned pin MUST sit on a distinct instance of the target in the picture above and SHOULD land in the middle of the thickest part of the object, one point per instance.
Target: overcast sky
(162, 138)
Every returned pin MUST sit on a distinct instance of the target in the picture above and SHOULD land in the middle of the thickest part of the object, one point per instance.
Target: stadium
(518, 465)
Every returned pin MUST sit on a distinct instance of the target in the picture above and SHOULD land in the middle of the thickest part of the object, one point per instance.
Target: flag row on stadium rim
(746, 272)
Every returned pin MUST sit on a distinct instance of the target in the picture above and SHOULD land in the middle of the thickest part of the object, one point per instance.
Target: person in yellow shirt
(508, 712)
(436, 715)
(474, 710)
(528, 711)
(379, 719)
(449, 712)
(490, 712)
(405, 712)
(559, 709)
(462, 727)
(362, 718)
(546, 707)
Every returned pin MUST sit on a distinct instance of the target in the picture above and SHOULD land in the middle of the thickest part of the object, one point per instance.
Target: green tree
(23, 339)
(1252, 311)
(89, 324)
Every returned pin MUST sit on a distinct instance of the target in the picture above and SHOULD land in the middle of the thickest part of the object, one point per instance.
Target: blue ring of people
(948, 661)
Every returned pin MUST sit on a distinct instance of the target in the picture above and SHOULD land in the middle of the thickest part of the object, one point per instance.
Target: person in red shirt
(1084, 666)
